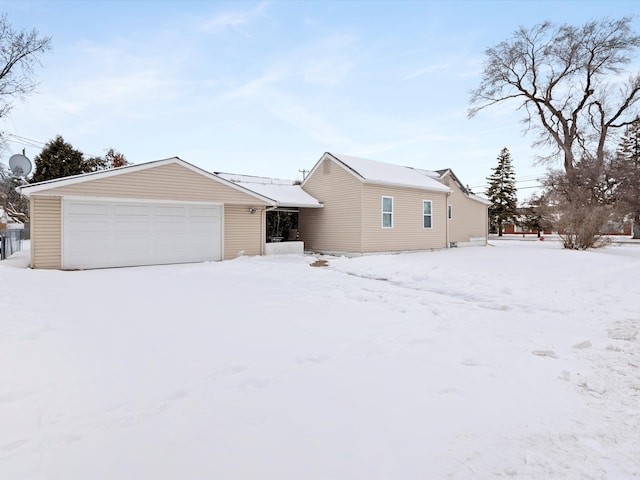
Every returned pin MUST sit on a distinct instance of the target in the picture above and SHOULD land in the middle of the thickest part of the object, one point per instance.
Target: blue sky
(264, 88)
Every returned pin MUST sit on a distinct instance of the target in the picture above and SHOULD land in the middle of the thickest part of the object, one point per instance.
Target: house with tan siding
(161, 212)
(468, 214)
(376, 207)
(170, 211)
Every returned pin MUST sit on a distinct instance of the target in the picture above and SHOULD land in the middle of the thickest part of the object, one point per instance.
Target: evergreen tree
(59, 159)
(502, 192)
(627, 168)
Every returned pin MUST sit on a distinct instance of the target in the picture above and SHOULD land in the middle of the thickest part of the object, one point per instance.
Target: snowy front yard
(519, 360)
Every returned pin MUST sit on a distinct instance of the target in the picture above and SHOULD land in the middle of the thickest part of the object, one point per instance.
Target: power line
(532, 179)
(29, 142)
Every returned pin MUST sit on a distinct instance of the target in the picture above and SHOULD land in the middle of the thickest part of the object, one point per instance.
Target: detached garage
(162, 212)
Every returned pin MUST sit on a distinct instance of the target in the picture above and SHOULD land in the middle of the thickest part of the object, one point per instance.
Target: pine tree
(502, 192)
(58, 159)
(627, 167)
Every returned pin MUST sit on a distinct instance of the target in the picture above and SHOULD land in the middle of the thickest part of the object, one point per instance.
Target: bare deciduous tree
(582, 203)
(115, 159)
(569, 82)
(20, 51)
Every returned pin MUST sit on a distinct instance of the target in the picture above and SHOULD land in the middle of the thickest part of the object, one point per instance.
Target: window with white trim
(426, 214)
(387, 212)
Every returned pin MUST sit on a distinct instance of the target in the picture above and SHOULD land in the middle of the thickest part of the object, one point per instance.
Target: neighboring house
(372, 207)
(9, 223)
(11, 235)
(161, 212)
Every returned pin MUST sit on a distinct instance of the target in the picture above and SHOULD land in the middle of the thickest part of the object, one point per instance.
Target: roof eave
(404, 185)
(27, 190)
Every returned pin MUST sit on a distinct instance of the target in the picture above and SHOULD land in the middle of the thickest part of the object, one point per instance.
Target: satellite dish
(19, 165)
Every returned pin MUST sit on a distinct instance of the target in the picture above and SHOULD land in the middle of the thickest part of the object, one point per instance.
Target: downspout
(446, 216)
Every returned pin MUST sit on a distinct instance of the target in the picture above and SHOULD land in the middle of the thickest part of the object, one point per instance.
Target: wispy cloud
(234, 20)
(327, 63)
(427, 70)
(256, 87)
(293, 111)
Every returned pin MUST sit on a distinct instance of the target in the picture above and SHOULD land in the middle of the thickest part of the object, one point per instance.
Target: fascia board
(405, 186)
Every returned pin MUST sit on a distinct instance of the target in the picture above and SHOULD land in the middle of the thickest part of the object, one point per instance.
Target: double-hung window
(427, 221)
(387, 212)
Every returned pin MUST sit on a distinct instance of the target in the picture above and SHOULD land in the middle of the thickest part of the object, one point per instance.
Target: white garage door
(99, 233)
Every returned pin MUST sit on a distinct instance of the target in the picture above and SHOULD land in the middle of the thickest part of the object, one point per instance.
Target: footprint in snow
(314, 359)
(229, 371)
(177, 395)
(12, 446)
(625, 330)
(545, 353)
(470, 362)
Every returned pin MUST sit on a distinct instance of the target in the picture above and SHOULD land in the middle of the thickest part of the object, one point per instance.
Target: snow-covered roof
(478, 198)
(285, 193)
(372, 171)
(101, 174)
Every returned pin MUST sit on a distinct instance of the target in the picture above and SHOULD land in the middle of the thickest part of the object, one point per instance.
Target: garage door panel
(111, 234)
(173, 229)
(132, 227)
(205, 212)
(86, 209)
(88, 225)
(201, 227)
(170, 211)
(131, 210)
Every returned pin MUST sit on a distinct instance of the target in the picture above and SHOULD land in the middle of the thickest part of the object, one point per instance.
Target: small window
(449, 212)
(426, 214)
(387, 212)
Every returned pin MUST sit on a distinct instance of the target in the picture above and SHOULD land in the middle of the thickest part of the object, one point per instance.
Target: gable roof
(284, 193)
(380, 173)
(447, 171)
(101, 174)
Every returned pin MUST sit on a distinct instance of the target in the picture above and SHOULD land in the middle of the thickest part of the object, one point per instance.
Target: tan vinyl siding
(469, 217)
(46, 234)
(408, 232)
(242, 231)
(166, 182)
(336, 227)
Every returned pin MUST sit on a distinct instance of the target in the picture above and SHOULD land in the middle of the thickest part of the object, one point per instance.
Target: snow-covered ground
(518, 360)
